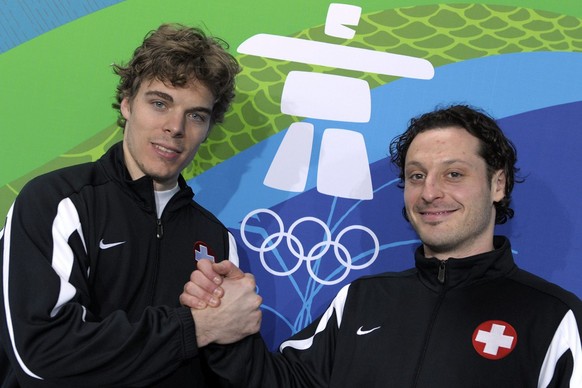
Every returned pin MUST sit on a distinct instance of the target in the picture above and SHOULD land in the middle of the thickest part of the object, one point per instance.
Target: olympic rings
(297, 249)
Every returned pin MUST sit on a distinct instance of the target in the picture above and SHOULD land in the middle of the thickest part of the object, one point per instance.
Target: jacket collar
(142, 189)
(466, 271)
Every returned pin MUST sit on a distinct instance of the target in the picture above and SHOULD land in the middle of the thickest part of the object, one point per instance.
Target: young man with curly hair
(95, 256)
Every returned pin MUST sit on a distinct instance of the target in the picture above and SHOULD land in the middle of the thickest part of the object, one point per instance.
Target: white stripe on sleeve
(5, 279)
(337, 305)
(65, 224)
(566, 338)
(232, 250)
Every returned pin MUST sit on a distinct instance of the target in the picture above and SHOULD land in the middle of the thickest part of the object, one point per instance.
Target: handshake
(223, 302)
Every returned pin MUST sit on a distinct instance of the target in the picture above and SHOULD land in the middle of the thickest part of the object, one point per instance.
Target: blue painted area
(502, 85)
(22, 20)
(547, 226)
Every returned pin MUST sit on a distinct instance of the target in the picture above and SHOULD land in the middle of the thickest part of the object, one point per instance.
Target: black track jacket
(91, 280)
(473, 322)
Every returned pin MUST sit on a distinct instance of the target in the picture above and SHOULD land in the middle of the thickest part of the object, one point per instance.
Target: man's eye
(455, 174)
(197, 117)
(415, 177)
(159, 104)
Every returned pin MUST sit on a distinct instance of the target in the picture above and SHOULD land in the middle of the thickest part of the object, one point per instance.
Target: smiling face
(447, 193)
(164, 127)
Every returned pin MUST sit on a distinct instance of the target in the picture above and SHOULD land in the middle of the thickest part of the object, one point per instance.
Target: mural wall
(299, 170)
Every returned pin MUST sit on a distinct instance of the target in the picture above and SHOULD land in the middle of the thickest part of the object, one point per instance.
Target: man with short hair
(464, 316)
(95, 256)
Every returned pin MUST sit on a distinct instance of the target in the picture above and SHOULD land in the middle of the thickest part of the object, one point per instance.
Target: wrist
(203, 333)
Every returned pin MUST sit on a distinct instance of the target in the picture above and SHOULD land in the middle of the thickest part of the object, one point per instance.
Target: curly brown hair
(178, 55)
(496, 149)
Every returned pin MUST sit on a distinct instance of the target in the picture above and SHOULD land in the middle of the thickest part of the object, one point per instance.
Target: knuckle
(250, 281)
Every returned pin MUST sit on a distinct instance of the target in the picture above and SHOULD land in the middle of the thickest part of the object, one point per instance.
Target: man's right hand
(204, 288)
(237, 315)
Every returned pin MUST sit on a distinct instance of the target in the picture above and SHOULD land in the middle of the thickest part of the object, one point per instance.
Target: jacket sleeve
(562, 366)
(304, 360)
(48, 329)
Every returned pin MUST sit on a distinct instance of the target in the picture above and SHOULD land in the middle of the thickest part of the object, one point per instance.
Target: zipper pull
(441, 275)
(159, 229)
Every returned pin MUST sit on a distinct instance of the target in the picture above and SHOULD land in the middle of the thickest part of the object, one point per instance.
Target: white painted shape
(340, 15)
(290, 166)
(344, 169)
(335, 56)
(326, 97)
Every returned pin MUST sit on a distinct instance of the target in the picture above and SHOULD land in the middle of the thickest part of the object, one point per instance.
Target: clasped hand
(230, 295)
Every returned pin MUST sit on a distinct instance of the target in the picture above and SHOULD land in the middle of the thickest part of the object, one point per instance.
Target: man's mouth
(166, 149)
(167, 153)
(436, 213)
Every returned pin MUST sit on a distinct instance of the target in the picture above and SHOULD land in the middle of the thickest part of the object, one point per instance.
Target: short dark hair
(178, 55)
(495, 148)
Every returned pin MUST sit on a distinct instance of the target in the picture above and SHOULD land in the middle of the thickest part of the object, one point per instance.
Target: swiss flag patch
(494, 339)
(203, 251)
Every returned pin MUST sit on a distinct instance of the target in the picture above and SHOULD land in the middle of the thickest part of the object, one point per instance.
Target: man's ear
(498, 183)
(125, 108)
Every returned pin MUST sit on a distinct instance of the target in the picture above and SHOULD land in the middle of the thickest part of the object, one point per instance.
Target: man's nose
(175, 124)
(432, 189)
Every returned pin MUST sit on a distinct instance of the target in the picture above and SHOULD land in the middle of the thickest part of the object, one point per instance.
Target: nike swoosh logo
(103, 245)
(364, 332)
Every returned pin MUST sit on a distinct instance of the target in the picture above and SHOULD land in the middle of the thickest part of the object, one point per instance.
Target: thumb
(228, 270)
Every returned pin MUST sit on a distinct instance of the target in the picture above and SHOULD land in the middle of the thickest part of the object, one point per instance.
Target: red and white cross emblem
(203, 251)
(494, 339)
